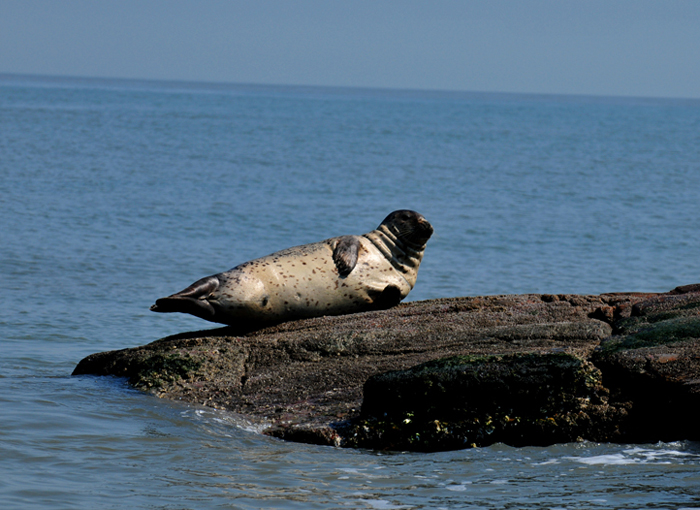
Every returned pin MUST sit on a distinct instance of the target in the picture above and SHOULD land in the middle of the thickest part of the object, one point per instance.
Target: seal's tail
(192, 300)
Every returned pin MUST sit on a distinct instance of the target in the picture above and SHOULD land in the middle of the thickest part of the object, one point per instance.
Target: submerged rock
(438, 374)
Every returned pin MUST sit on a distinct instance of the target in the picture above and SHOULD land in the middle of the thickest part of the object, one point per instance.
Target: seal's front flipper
(192, 300)
(388, 298)
(345, 254)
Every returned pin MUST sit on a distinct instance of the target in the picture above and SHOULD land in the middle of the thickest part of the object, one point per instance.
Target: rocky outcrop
(445, 373)
(652, 364)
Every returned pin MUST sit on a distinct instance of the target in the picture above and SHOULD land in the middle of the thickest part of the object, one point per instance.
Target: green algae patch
(456, 384)
(659, 311)
(466, 401)
(158, 370)
(663, 332)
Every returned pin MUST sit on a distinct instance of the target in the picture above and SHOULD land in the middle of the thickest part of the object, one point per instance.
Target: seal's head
(409, 227)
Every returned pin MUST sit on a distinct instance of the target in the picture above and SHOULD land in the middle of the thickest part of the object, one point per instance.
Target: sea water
(114, 193)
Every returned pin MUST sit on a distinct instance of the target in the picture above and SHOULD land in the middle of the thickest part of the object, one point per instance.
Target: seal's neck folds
(403, 255)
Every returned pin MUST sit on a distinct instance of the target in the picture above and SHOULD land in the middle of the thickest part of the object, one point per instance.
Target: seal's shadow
(225, 331)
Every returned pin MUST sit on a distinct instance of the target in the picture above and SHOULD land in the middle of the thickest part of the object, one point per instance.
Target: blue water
(114, 193)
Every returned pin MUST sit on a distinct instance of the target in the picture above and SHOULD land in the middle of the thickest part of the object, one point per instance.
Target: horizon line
(4, 76)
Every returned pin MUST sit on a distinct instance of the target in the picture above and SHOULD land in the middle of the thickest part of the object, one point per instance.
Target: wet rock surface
(447, 373)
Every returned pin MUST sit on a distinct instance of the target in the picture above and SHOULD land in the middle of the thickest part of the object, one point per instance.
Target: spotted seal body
(337, 276)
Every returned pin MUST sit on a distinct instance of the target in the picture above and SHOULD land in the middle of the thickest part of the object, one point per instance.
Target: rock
(518, 399)
(653, 364)
(304, 380)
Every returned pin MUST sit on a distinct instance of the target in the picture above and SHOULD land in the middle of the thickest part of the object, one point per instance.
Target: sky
(644, 48)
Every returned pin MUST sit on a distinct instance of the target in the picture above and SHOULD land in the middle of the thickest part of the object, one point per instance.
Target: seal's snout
(425, 225)
(424, 231)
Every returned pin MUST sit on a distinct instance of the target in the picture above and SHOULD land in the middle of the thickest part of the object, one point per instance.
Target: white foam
(611, 460)
(636, 455)
(382, 504)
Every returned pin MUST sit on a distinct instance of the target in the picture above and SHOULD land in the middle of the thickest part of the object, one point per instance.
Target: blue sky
(613, 47)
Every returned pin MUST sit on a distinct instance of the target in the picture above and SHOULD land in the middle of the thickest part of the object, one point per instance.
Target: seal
(337, 276)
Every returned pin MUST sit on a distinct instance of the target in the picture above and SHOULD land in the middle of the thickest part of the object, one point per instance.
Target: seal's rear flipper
(192, 300)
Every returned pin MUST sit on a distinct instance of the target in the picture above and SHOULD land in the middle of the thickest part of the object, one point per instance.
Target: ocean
(115, 192)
